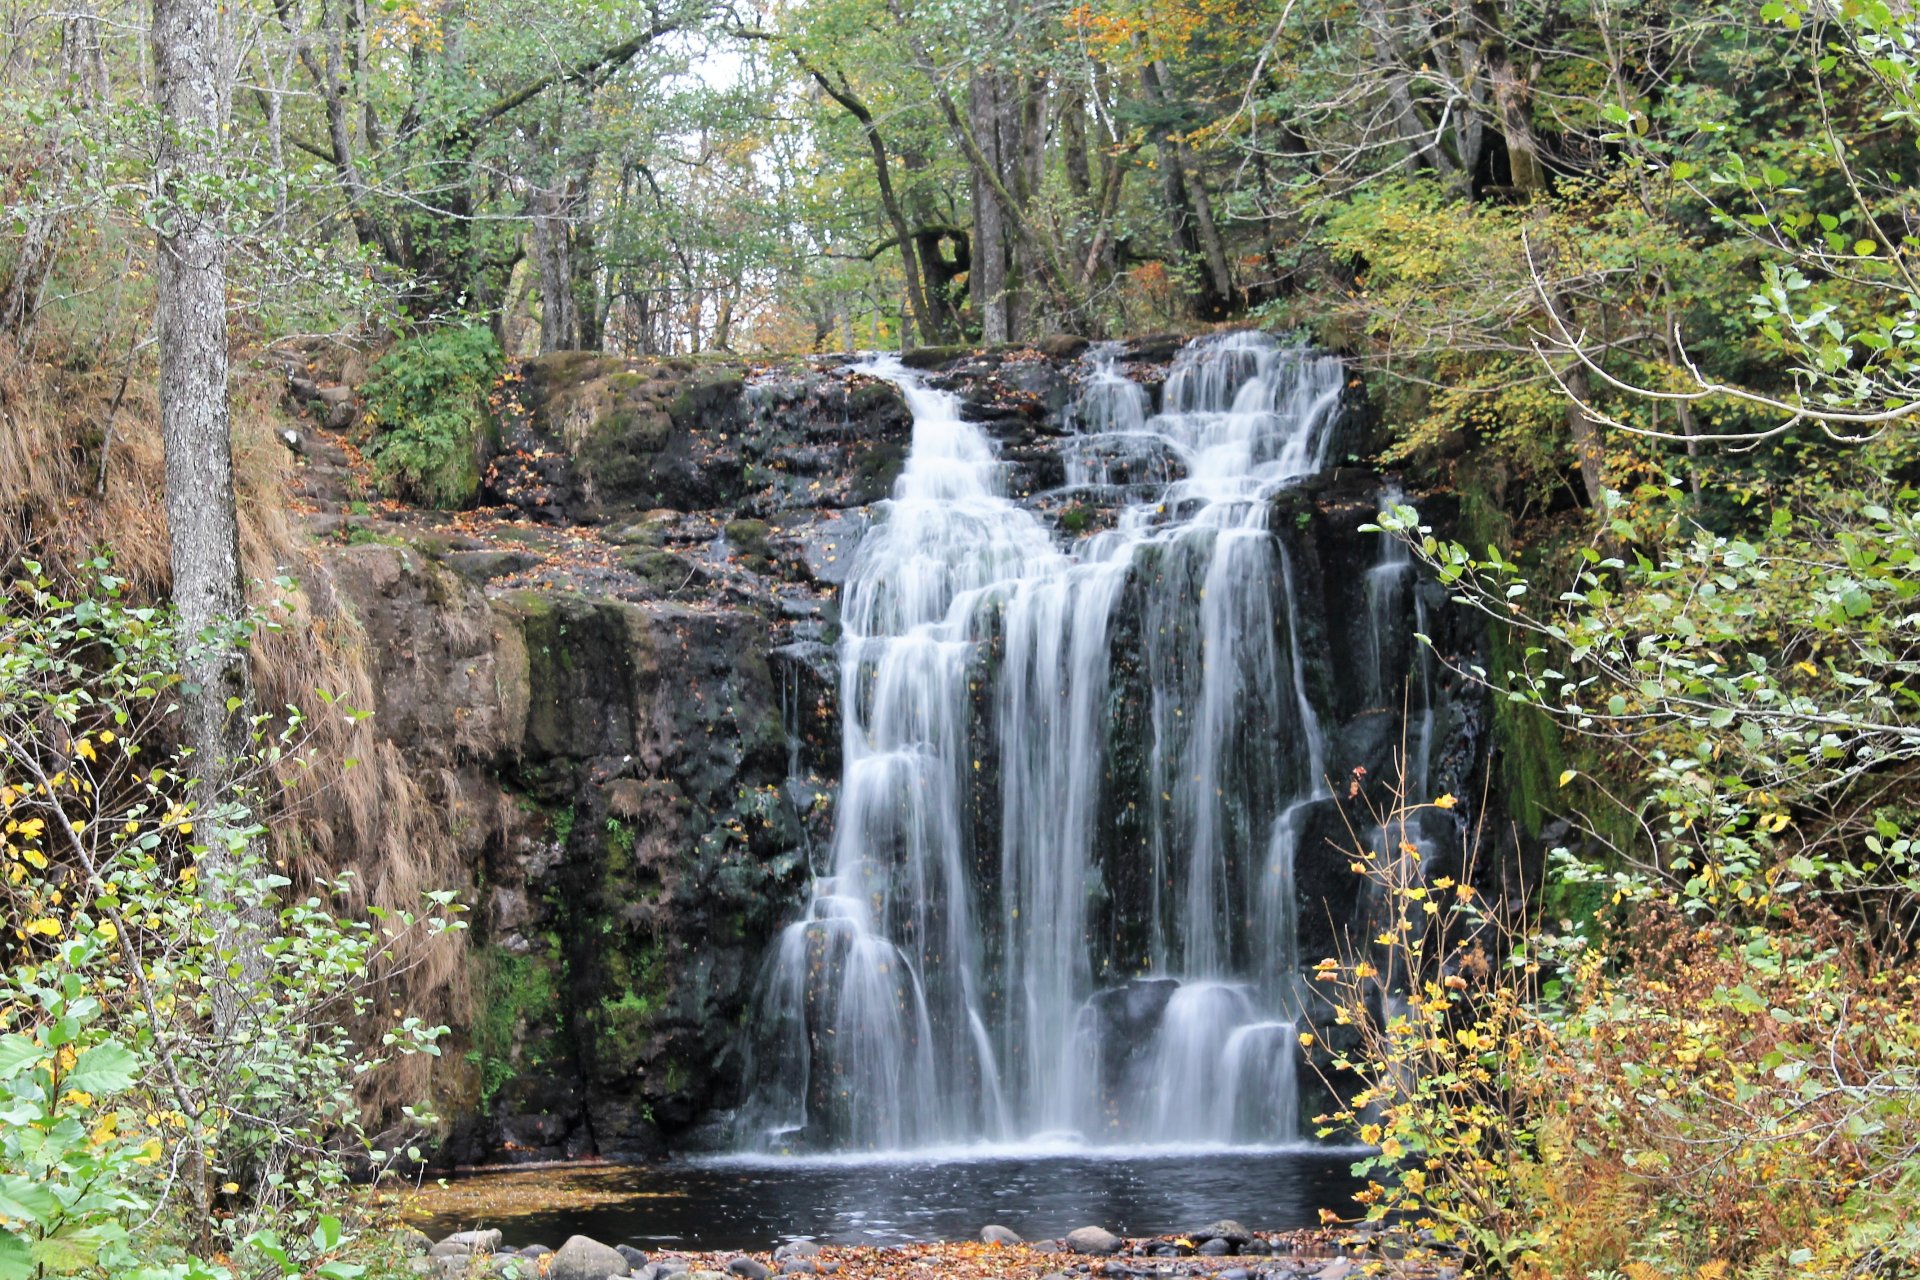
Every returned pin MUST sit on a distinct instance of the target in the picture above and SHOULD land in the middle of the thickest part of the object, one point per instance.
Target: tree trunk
(202, 521)
(843, 94)
(994, 281)
(1423, 148)
(553, 264)
(1584, 429)
(1186, 170)
(1513, 102)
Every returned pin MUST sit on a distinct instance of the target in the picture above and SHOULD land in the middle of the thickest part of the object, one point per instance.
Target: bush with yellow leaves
(1632, 1095)
(139, 1135)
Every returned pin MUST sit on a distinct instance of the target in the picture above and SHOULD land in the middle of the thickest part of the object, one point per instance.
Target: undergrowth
(427, 405)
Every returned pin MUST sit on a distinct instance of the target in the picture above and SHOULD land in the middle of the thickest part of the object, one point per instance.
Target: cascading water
(952, 979)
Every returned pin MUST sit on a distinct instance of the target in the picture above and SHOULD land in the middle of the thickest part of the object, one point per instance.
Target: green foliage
(1731, 994)
(516, 990)
(427, 405)
(135, 1137)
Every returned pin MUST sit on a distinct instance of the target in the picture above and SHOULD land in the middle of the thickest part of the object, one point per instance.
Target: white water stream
(952, 979)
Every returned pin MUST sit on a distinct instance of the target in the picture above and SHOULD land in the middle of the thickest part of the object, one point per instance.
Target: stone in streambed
(799, 1267)
(994, 1234)
(415, 1244)
(749, 1268)
(450, 1249)
(635, 1258)
(796, 1249)
(1214, 1248)
(1093, 1240)
(1338, 1269)
(1225, 1229)
(487, 1241)
(581, 1258)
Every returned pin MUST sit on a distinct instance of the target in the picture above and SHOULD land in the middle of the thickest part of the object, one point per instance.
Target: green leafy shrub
(143, 1129)
(1711, 1067)
(427, 406)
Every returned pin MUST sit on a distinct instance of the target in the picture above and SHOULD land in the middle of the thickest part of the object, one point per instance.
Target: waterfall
(1393, 596)
(959, 975)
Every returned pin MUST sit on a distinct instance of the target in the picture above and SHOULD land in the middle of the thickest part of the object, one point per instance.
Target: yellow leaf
(231, 1188)
(85, 750)
(1568, 775)
(1445, 802)
(45, 926)
(78, 1097)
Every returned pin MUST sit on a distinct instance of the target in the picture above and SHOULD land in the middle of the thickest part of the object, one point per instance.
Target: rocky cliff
(616, 682)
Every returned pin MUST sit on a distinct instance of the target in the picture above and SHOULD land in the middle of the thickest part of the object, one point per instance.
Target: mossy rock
(662, 570)
(875, 471)
(751, 538)
(707, 396)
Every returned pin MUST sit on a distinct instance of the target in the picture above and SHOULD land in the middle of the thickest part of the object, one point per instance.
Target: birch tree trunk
(202, 522)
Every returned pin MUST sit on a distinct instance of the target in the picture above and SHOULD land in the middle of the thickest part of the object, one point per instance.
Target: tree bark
(843, 94)
(994, 282)
(1513, 102)
(202, 521)
(1582, 426)
(1184, 169)
(553, 264)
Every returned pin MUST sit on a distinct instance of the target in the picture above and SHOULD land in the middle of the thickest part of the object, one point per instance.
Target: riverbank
(1219, 1251)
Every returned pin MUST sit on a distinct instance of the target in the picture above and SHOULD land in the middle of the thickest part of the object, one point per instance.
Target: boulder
(796, 1249)
(583, 1259)
(1214, 1248)
(1093, 1240)
(992, 1234)
(798, 1267)
(423, 1266)
(1225, 1229)
(635, 1258)
(414, 1244)
(749, 1268)
(450, 1249)
(1338, 1269)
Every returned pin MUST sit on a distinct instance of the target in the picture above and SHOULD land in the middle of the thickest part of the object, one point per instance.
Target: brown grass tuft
(372, 817)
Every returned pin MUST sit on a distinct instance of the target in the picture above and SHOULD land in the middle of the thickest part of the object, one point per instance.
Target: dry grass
(373, 817)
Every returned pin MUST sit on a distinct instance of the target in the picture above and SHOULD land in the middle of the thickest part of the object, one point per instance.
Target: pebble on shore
(1223, 1250)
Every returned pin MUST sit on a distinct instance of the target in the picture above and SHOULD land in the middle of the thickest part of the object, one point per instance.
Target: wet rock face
(639, 763)
(591, 437)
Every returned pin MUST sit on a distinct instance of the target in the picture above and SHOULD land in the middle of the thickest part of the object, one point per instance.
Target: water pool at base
(755, 1203)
